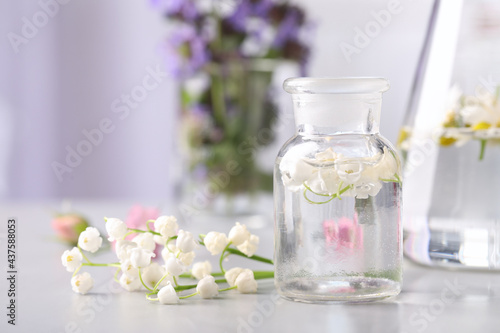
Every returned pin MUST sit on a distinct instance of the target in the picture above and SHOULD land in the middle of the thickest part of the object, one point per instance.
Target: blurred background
(65, 77)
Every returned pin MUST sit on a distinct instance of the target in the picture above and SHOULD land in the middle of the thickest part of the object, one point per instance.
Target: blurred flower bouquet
(224, 53)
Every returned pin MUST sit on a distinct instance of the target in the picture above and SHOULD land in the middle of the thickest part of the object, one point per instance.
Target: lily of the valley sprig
(162, 282)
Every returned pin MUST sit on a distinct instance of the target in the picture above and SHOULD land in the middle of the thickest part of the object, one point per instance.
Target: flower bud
(72, 259)
(185, 241)
(167, 295)
(166, 226)
(207, 288)
(90, 240)
(82, 283)
(239, 234)
(215, 242)
(116, 228)
(200, 269)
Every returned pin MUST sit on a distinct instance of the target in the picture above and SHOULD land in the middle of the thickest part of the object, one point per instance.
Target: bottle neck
(330, 114)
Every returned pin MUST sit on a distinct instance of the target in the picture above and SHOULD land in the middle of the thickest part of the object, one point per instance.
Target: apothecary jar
(337, 192)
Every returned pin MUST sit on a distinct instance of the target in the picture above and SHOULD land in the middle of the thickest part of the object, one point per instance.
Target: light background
(65, 78)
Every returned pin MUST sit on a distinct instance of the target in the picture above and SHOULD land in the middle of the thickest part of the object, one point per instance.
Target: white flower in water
(239, 234)
(365, 189)
(200, 269)
(245, 282)
(130, 283)
(324, 181)
(207, 288)
(185, 241)
(140, 257)
(215, 242)
(90, 240)
(154, 273)
(327, 155)
(145, 240)
(116, 228)
(249, 247)
(82, 283)
(387, 167)
(167, 295)
(123, 248)
(128, 269)
(174, 266)
(186, 257)
(349, 172)
(294, 169)
(232, 274)
(72, 259)
(294, 175)
(167, 226)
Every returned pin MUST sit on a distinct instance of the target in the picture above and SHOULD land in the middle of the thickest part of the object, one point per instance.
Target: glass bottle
(337, 196)
(451, 140)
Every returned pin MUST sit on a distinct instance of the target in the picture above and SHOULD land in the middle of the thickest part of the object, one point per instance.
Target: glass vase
(337, 196)
(451, 140)
(228, 122)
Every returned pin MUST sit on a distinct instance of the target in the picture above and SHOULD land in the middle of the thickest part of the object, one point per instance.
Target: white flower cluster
(471, 117)
(89, 240)
(138, 271)
(239, 236)
(332, 175)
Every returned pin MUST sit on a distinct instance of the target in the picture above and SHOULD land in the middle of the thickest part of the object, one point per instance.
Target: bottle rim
(336, 85)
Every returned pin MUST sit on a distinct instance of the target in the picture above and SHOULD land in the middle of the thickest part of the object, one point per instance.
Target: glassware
(337, 196)
(451, 140)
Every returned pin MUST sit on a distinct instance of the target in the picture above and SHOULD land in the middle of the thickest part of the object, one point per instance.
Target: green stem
(140, 277)
(143, 231)
(483, 148)
(190, 276)
(260, 275)
(158, 283)
(147, 224)
(239, 253)
(175, 281)
(222, 257)
(333, 196)
(230, 288)
(128, 234)
(77, 270)
(399, 179)
(187, 296)
(254, 257)
(115, 277)
(168, 241)
(308, 188)
(83, 254)
(117, 264)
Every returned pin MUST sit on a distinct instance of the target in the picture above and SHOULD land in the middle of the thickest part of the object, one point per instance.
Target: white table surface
(46, 302)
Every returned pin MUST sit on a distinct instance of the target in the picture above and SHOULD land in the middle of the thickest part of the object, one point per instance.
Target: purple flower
(182, 9)
(261, 8)
(288, 29)
(240, 15)
(187, 51)
(246, 9)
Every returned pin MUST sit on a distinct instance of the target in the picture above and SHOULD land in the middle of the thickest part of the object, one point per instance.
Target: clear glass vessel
(337, 196)
(451, 140)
